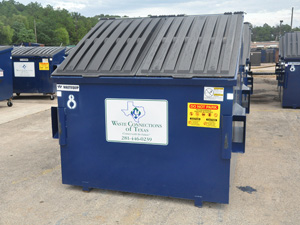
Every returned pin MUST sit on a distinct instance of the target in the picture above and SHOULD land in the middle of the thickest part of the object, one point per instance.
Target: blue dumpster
(6, 84)
(290, 77)
(33, 67)
(155, 108)
(255, 58)
(264, 56)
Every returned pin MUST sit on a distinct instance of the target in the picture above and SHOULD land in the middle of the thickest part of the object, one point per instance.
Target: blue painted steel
(41, 83)
(32, 44)
(6, 81)
(194, 165)
(291, 90)
(263, 56)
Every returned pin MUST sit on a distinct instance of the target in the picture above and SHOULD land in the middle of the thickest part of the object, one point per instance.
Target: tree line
(34, 23)
(268, 33)
(19, 22)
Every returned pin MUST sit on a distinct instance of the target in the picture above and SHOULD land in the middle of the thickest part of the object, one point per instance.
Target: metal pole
(35, 31)
(280, 28)
(292, 18)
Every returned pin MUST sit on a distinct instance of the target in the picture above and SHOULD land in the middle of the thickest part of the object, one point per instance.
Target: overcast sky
(258, 11)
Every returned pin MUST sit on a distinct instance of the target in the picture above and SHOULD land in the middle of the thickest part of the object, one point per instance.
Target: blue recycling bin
(33, 67)
(6, 83)
(289, 75)
(153, 109)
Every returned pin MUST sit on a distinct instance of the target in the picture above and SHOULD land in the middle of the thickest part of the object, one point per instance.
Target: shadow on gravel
(247, 189)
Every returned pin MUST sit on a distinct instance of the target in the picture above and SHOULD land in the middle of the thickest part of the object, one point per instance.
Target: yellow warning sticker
(203, 115)
(44, 66)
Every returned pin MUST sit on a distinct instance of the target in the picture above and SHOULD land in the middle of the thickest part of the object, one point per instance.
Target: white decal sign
(214, 94)
(67, 87)
(294, 63)
(24, 69)
(137, 121)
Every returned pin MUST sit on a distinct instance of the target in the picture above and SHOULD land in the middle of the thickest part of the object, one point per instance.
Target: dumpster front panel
(6, 86)
(29, 77)
(32, 69)
(186, 162)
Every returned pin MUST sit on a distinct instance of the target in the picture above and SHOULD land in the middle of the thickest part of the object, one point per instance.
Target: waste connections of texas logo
(136, 113)
(140, 121)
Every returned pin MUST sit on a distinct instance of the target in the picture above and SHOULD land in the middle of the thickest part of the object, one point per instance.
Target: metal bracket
(62, 127)
(239, 132)
(246, 92)
(226, 137)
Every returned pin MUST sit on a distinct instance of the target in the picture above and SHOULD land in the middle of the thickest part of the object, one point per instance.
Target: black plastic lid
(172, 46)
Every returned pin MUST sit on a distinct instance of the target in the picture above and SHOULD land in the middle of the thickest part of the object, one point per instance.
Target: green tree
(268, 33)
(20, 19)
(62, 36)
(21, 34)
(52, 25)
(263, 33)
(45, 33)
(8, 8)
(6, 34)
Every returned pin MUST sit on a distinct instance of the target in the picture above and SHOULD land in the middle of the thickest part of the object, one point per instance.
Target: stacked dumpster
(33, 67)
(288, 69)
(263, 56)
(6, 83)
(255, 57)
(153, 106)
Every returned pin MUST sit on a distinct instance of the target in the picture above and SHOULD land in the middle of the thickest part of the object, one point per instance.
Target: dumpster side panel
(6, 87)
(196, 161)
